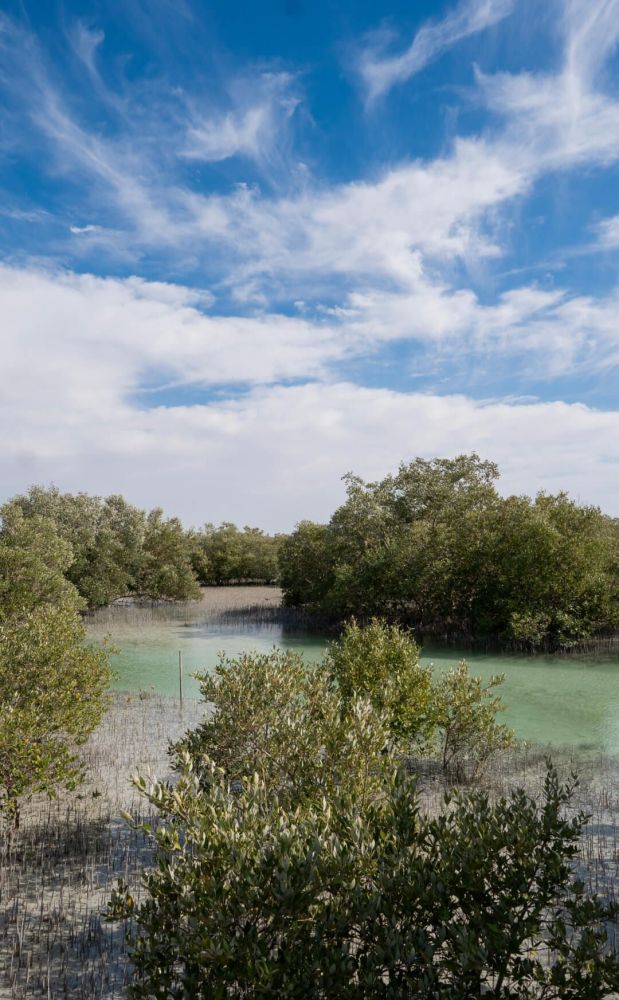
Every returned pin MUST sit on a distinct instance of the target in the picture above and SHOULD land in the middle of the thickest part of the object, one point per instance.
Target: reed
(57, 874)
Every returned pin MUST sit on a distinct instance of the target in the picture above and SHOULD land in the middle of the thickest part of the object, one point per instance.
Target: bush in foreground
(276, 717)
(293, 859)
(252, 899)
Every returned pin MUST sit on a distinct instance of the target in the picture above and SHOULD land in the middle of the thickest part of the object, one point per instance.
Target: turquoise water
(555, 701)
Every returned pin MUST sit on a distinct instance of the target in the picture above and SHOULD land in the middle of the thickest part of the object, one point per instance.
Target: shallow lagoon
(550, 700)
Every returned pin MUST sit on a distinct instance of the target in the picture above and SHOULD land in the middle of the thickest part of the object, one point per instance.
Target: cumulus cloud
(79, 351)
(277, 455)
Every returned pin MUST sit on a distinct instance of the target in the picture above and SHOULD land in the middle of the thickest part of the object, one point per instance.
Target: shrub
(52, 695)
(469, 734)
(381, 662)
(251, 899)
(275, 716)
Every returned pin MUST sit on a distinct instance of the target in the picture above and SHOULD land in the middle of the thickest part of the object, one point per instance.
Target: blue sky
(246, 248)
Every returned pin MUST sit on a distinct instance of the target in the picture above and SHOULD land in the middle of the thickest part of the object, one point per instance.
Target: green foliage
(437, 547)
(227, 555)
(250, 898)
(52, 685)
(165, 570)
(465, 711)
(119, 550)
(105, 536)
(33, 562)
(52, 695)
(114, 549)
(381, 662)
(556, 571)
(293, 858)
(295, 724)
(305, 565)
(274, 716)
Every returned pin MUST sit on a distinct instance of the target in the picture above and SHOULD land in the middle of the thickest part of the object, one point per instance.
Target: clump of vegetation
(52, 685)
(165, 569)
(436, 546)
(52, 695)
(117, 550)
(294, 857)
(296, 724)
(465, 710)
(278, 718)
(228, 555)
(253, 898)
(381, 662)
(106, 539)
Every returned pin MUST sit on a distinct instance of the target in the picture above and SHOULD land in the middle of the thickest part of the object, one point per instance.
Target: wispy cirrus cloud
(255, 127)
(380, 72)
(561, 119)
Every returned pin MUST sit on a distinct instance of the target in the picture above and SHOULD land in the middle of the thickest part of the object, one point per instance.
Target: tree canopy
(225, 554)
(117, 550)
(437, 546)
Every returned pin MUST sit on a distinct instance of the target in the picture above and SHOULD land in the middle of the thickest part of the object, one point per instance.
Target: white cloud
(563, 119)
(380, 73)
(255, 128)
(381, 230)
(608, 233)
(77, 350)
(99, 339)
(277, 456)
(107, 335)
(86, 41)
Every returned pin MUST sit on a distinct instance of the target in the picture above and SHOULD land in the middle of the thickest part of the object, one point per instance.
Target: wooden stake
(180, 677)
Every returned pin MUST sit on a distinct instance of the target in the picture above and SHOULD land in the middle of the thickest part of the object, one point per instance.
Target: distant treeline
(435, 546)
(119, 550)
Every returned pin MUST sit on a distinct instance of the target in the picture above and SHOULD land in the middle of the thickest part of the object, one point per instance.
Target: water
(554, 701)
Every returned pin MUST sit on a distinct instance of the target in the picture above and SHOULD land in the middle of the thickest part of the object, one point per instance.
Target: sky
(246, 248)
